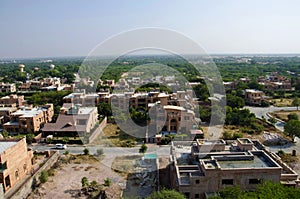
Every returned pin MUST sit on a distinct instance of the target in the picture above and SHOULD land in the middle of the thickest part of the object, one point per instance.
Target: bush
(94, 183)
(99, 152)
(143, 148)
(107, 182)
(51, 172)
(66, 152)
(86, 151)
(237, 135)
(281, 153)
(227, 135)
(43, 177)
(84, 182)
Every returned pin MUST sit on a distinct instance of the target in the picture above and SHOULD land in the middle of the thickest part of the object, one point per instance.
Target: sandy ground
(66, 183)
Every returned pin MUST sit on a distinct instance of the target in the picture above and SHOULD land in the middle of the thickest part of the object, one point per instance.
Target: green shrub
(99, 152)
(143, 148)
(237, 135)
(86, 151)
(84, 182)
(107, 182)
(43, 177)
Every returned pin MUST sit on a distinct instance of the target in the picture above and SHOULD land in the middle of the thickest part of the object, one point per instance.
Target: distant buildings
(7, 87)
(12, 101)
(72, 121)
(275, 82)
(29, 120)
(45, 84)
(15, 162)
(203, 167)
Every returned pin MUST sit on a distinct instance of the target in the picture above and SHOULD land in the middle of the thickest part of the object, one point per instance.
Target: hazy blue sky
(35, 28)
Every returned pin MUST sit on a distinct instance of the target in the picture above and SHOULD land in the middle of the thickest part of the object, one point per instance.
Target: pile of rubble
(273, 139)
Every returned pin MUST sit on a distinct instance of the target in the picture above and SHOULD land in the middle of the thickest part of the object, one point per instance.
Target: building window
(255, 181)
(197, 195)
(197, 181)
(187, 194)
(82, 122)
(3, 166)
(7, 181)
(227, 182)
(17, 174)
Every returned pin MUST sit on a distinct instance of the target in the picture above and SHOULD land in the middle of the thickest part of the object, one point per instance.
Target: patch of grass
(282, 102)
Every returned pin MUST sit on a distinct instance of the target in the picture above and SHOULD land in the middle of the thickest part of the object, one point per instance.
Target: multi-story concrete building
(72, 121)
(7, 87)
(206, 166)
(254, 97)
(178, 119)
(82, 98)
(5, 114)
(15, 162)
(29, 120)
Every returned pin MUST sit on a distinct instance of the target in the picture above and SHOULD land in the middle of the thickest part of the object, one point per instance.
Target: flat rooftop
(5, 145)
(258, 161)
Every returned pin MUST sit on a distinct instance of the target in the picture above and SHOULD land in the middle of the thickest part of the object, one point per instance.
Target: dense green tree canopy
(292, 128)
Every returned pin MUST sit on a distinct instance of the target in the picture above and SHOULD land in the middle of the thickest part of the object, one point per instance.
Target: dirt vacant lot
(66, 182)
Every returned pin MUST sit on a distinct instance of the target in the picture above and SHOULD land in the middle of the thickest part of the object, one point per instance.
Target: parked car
(60, 146)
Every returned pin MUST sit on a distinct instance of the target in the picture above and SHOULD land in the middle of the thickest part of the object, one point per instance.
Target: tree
(66, 139)
(143, 148)
(86, 151)
(84, 182)
(235, 101)
(296, 102)
(293, 116)
(49, 140)
(292, 128)
(29, 138)
(5, 134)
(104, 109)
(168, 194)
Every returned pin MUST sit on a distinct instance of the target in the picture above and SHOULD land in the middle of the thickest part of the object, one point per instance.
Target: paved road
(78, 149)
(261, 112)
